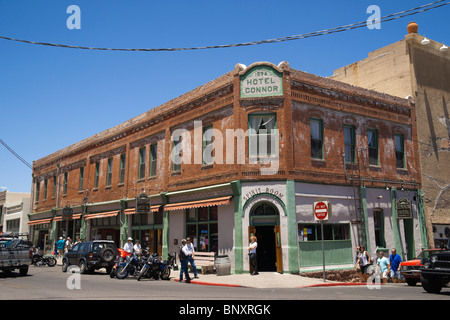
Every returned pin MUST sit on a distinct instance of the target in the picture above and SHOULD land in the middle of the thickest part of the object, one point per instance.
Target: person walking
(190, 247)
(364, 262)
(383, 266)
(252, 255)
(184, 254)
(69, 245)
(395, 261)
(60, 244)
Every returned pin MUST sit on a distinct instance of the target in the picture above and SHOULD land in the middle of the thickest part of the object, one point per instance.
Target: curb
(334, 284)
(213, 284)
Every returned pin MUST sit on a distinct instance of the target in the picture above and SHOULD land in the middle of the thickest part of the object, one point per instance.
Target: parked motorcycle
(157, 269)
(39, 260)
(132, 265)
(121, 257)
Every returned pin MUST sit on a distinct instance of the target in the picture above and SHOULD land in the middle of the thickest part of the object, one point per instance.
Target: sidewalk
(262, 280)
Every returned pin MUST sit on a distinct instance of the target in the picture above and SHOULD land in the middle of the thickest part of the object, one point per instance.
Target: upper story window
(316, 129)
(122, 168)
(66, 178)
(141, 173)
(80, 187)
(372, 136)
(153, 159)
(262, 135)
(109, 172)
(176, 154)
(399, 151)
(38, 186)
(207, 145)
(97, 174)
(349, 141)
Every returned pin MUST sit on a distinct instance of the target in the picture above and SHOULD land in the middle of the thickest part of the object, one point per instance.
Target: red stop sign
(321, 210)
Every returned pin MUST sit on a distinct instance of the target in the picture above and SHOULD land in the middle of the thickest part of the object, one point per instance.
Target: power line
(15, 154)
(391, 17)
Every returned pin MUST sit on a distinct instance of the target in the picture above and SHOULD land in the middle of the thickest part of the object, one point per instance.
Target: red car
(410, 269)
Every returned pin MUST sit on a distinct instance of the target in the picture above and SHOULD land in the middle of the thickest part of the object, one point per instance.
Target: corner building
(280, 140)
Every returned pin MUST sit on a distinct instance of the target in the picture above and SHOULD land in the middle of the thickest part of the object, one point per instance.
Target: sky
(53, 97)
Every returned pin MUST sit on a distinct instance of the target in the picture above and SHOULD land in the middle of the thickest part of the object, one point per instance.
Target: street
(51, 283)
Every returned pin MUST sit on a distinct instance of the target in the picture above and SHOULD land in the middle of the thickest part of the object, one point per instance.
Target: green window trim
(210, 221)
(109, 172)
(399, 142)
(141, 169)
(123, 159)
(66, 177)
(38, 186)
(349, 143)
(207, 143)
(45, 189)
(153, 159)
(81, 182)
(372, 147)
(97, 174)
(316, 139)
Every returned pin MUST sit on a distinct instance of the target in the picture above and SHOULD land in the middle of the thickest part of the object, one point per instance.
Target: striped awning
(198, 204)
(133, 210)
(102, 215)
(40, 221)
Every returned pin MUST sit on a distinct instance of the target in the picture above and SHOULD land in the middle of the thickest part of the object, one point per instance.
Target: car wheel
(411, 282)
(83, 267)
(65, 264)
(107, 254)
(431, 284)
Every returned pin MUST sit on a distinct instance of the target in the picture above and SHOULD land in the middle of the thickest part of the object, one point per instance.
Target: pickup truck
(15, 253)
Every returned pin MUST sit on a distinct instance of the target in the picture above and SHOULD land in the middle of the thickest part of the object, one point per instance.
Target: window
(66, 177)
(122, 168)
(207, 145)
(313, 232)
(399, 151)
(142, 163)
(262, 135)
(202, 228)
(316, 129)
(109, 172)
(349, 140)
(80, 187)
(372, 136)
(38, 186)
(45, 189)
(97, 174)
(378, 223)
(176, 151)
(54, 187)
(153, 159)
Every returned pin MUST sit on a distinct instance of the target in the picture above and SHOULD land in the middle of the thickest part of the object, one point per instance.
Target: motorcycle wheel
(51, 262)
(165, 274)
(121, 272)
(142, 273)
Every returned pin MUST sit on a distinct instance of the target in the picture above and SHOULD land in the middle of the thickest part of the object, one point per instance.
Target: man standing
(395, 261)
(60, 244)
(383, 266)
(190, 247)
(184, 254)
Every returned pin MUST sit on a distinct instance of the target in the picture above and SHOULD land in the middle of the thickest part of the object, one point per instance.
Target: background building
(14, 210)
(420, 70)
(280, 138)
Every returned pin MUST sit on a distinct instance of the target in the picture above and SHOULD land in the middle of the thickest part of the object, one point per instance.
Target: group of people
(387, 268)
(62, 246)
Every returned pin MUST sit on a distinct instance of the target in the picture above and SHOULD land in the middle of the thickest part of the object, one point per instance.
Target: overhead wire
(391, 17)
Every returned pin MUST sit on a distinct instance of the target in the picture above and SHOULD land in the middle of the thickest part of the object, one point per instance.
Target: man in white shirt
(252, 254)
(184, 254)
(137, 247)
(190, 247)
(128, 247)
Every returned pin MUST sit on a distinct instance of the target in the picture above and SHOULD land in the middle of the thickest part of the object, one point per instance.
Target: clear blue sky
(53, 97)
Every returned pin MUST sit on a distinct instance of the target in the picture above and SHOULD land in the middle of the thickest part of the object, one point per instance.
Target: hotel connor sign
(261, 81)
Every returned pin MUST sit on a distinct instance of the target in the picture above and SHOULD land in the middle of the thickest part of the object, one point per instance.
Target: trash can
(223, 265)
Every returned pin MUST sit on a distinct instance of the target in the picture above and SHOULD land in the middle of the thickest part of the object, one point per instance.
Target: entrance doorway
(265, 225)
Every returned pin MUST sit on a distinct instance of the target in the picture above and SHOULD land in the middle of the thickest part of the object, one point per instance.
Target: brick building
(247, 153)
(418, 68)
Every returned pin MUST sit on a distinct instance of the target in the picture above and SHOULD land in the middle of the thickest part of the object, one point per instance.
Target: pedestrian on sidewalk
(190, 247)
(60, 244)
(383, 266)
(395, 261)
(252, 255)
(69, 245)
(364, 262)
(184, 254)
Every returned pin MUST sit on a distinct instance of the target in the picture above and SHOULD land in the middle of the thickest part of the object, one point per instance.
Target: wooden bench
(205, 260)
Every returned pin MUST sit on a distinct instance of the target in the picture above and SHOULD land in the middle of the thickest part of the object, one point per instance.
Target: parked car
(435, 272)
(15, 252)
(91, 255)
(410, 269)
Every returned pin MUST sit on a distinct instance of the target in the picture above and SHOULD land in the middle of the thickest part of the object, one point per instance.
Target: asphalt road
(44, 283)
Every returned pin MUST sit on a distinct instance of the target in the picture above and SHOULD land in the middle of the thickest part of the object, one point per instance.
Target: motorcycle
(157, 269)
(121, 257)
(131, 264)
(39, 260)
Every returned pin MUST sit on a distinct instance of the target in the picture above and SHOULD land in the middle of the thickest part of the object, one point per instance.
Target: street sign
(142, 204)
(321, 210)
